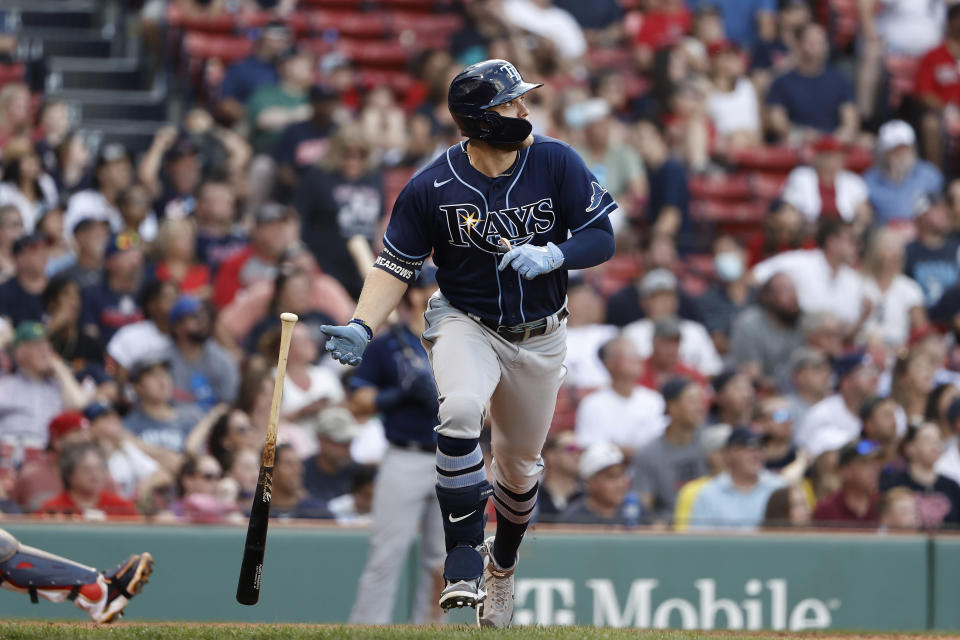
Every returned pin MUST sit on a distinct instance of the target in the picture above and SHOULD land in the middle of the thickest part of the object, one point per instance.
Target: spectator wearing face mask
(722, 303)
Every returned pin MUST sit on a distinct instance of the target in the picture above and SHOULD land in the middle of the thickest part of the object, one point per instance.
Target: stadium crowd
(775, 343)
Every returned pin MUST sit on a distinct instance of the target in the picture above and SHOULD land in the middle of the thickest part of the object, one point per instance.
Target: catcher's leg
(29, 570)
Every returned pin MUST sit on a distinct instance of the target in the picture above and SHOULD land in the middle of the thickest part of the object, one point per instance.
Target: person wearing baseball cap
(660, 300)
(856, 380)
(157, 418)
(674, 458)
(203, 372)
(810, 376)
(737, 498)
(114, 302)
(21, 295)
(302, 144)
(113, 172)
(855, 503)
(39, 478)
(330, 473)
(603, 471)
(898, 178)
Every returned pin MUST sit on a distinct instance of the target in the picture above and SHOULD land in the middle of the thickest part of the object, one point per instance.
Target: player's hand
(346, 342)
(530, 261)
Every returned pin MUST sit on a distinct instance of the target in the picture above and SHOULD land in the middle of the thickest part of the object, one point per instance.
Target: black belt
(520, 332)
(414, 446)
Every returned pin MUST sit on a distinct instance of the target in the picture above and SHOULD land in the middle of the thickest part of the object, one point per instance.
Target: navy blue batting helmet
(481, 86)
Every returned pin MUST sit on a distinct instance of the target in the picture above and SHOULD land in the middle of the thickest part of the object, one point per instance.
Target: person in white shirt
(896, 300)
(308, 388)
(542, 19)
(836, 418)
(586, 333)
(732, 99)
(624, 413)
(824, 279)
(150, 335)
(805, 186)
(659, 301)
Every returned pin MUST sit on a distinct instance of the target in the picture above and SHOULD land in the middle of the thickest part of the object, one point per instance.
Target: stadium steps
(94, 64)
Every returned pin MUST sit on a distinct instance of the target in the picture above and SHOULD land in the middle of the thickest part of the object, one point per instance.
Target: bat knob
(288, 317)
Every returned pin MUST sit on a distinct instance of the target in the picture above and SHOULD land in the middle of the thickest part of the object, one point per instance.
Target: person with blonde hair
(896, 300)
(341, 207)
(177, 258)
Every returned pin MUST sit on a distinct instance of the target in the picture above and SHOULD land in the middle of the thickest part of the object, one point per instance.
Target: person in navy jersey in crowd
(113, 302)
(303, 144)
(341, 203)
(938, 497)
(330, 473)
(244, 77)
(932, 258)
(21, 296)
(813, 97)
(668, 208)
(219, 238)
(396, 381)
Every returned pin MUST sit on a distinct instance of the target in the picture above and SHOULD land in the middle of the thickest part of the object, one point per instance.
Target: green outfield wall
(792, 582)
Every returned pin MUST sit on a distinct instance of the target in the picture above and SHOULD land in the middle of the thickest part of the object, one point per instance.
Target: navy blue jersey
(384, 366)
(459, 214)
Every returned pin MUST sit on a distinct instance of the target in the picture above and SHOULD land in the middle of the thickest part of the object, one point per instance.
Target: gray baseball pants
(473, 366)
(404, 503)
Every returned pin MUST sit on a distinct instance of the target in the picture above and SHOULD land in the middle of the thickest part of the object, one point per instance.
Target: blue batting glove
(346, 342)
(530, 261)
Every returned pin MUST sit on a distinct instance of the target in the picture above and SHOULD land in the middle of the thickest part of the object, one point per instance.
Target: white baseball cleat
(497, 609)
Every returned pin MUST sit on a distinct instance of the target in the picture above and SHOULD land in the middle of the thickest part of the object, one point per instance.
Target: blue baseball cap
(848, 363)
(743, 437)
(183, 307)
(96, 409)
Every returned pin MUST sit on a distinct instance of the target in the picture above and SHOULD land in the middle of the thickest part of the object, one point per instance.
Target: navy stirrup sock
(462, 491)
(513, 516)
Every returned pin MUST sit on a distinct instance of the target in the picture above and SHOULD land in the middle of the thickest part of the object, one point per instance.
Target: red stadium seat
(399, 81)
(375, 55)
(362, 26)
(10, 73)
(299, 23)
(719, 211)
(339, 5)
(720, 187)
(767, 159)
(203, 23)
(420, 6)
(228, 49)
(601, 58)
(766, 187)
(444, 24)
(859, 159)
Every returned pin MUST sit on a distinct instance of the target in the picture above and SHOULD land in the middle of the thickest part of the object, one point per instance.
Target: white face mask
(729, 265)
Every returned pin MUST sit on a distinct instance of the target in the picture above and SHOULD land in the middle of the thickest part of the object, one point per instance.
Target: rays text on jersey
(468, 225)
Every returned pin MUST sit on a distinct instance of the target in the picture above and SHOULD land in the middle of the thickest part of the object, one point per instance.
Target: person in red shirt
(39, 479)
(938, 89)
(273, 233)
(664, 361)
(856, 503)
(83, 470)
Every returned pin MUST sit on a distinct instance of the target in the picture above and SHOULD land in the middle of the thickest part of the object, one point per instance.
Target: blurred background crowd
(775, 342)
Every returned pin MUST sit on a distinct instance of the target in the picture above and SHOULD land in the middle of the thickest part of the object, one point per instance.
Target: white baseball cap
(580, 114)
(893, 134)
(598, 457)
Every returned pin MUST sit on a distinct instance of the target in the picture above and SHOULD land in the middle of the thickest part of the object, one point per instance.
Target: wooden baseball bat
(251, 569)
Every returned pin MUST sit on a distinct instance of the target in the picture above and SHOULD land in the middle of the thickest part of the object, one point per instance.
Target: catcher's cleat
(123, 582)
(496, 610)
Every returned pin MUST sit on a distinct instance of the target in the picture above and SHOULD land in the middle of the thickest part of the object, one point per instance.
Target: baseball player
(504, 214)
(395, 379)
(43, 575)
